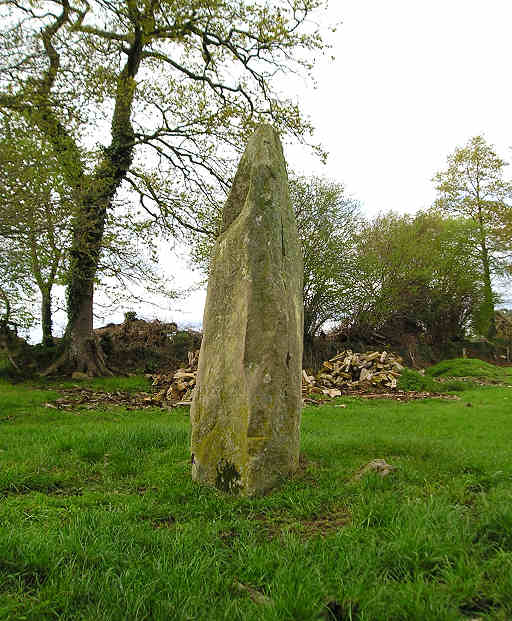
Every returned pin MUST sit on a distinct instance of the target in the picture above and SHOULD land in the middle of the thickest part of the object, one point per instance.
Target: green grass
(133, 383)
(99, 518)
(411, 379)
(469, 367)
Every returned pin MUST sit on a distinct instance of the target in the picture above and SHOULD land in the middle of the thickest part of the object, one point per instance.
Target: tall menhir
(247, 404)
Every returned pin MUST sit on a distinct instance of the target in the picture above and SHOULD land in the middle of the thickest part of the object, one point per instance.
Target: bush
(412, 380)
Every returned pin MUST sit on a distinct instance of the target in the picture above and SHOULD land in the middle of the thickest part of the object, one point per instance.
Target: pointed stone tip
(265, 129)
(264, 145)
(265, 134)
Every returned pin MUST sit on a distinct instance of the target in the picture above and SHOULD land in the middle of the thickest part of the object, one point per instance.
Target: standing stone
(247, 403)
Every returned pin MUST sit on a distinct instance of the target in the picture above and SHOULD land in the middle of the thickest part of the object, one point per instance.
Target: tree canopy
(413, 277)
(473, 186)
(168, 90)
(327, 221)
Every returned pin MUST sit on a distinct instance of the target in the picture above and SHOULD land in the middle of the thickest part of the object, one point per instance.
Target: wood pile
(349, 371)
(177, 388)
(346, 372)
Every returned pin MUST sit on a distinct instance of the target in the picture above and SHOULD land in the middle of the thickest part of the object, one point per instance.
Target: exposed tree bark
(89, 223)
(46, 318)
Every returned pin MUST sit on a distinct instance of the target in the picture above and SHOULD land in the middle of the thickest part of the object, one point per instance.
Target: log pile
(371, 376)
(346, 372)
(349, 371)
(177, 388)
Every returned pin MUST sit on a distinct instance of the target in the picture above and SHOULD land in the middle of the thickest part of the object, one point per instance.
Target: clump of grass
(412, 380)
(468, 367)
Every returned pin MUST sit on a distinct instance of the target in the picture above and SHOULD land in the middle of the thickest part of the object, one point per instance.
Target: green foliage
(327, 220)
(35, 216)
(473, 187)
(413, 380)
(181, 85)
(99, 517)
(412, 275)
(468, 367)
(183, 342)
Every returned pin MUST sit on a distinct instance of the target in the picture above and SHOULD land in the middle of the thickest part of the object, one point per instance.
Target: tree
(473, 187)
(35, 223)
(16, 294)
(413, 275)
(327, 222)
(179, 83)
(36, 213)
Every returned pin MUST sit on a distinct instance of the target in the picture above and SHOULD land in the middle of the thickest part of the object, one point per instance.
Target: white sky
(411, 80)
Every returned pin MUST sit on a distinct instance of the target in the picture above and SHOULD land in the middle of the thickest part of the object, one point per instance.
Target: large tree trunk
(95, 194)
(85, 353)
(46, 318)
(82, 350)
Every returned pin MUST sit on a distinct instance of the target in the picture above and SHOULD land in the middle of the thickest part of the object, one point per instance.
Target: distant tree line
(399, 278)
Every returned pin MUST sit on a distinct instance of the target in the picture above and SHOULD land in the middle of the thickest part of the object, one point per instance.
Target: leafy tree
(35, 215)
(16, 294)
(171, 88)
(327, 221)
(413, 276)
(473, 187)
(36, 222)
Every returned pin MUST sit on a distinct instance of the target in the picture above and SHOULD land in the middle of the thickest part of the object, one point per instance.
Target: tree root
(85, 356)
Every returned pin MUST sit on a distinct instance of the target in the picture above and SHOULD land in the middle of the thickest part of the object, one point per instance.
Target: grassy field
(99, 518)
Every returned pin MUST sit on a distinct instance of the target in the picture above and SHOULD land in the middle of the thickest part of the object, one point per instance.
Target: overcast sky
(411, 80)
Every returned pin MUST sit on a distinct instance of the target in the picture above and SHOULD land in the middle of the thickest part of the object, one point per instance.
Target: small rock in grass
(380, 466)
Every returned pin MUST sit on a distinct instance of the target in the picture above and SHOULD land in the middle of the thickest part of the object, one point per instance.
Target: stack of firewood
(347, 371)
(353, 371)
(177, 388)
